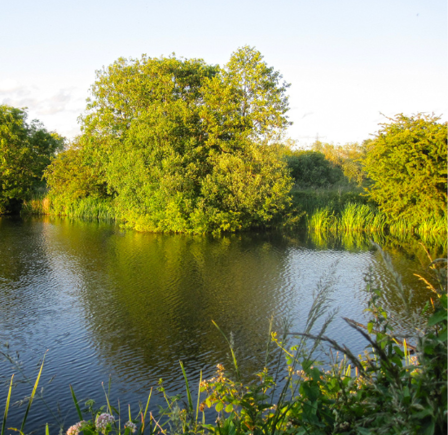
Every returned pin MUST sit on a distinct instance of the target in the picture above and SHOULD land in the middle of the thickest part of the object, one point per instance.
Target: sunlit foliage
(407, 164)
(25, 151)
(346, 157)
(184, 146)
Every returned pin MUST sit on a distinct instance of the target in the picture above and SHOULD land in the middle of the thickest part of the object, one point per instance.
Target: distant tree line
(179, 145)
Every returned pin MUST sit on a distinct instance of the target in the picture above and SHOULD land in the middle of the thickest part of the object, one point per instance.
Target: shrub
(407, 165)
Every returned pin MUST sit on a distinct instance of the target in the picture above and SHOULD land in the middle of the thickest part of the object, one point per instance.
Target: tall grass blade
(109, 408)
(231, 350)
(33, 393)
(143, 415)
(75, 400)
(199, 395)
(5, 415)
(190, 402)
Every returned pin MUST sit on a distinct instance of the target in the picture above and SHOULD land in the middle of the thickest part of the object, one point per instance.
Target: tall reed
(323, 220)
(363, 217)
(87, 208)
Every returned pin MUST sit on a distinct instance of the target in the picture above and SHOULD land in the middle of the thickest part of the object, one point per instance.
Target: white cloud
(57, 108)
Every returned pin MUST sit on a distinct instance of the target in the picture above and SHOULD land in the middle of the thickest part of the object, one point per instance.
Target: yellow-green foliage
(362, 217)
(88, 207)
(407, 164)
(74, 174)
(346, 157)
(25, 151)
(181, 145)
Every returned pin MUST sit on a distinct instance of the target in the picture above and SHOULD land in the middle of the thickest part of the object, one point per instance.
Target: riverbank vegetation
(25, 151)
(181, 146)
(331, 190)
(178, 145)
(399, 384)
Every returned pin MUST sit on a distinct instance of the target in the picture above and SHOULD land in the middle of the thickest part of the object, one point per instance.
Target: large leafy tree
(408, 168)
(184, 146)
(25, 151)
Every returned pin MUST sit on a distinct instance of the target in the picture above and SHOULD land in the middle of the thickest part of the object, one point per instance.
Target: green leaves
(407, 163)
(437, 317)
(25, 150)
(182, 146)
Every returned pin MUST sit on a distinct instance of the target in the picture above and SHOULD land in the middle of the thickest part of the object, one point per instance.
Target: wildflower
(414, 360)
(75, 429)
(103, 420)
(131, 426)
(220, 367)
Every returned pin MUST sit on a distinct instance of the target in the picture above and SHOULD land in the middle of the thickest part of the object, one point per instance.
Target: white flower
(131, 426)
(103, 420)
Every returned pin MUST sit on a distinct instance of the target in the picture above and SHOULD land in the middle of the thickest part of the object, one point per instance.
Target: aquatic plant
(363, 217)
(86, 208)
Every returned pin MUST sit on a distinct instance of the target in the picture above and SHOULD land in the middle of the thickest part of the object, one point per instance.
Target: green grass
(86, 208)
(325, 210)
(366, 218)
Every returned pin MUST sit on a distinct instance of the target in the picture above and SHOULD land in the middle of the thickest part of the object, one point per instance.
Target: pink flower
(75, 429)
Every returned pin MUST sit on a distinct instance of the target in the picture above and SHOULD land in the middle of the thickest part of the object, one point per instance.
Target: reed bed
(325, 211)
(37, 204)
(86, 208)
(365, 218)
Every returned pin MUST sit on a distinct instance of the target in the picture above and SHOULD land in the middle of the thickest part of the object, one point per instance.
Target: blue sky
(347, 61)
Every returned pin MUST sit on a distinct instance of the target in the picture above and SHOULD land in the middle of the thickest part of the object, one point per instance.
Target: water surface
(100, 302)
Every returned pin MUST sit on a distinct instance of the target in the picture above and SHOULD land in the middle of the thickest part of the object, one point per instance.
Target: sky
(350, 63)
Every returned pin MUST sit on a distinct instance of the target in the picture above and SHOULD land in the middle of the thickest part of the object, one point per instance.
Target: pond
(104, 303)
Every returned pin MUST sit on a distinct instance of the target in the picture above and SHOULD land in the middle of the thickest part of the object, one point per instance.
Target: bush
(407, 165)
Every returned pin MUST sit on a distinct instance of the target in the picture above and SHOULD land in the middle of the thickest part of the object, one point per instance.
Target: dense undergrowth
(321, 210)
(398, 386)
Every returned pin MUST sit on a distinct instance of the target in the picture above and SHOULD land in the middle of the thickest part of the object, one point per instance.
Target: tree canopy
(312, 169)
(408, 168)
(185, 146)
(25, 151)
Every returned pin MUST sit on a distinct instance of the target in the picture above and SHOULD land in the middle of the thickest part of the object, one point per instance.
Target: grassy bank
(399, 385)
(324, 210)
(86, 208)
(362, 217)
(339, 210)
